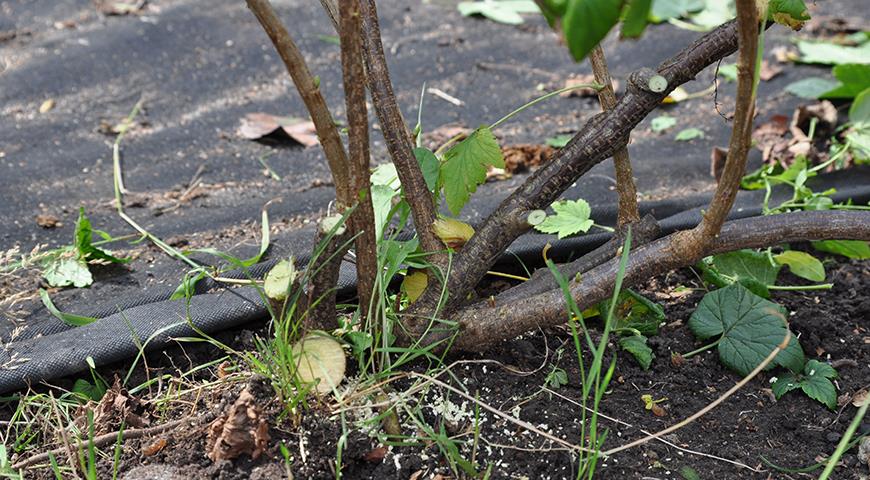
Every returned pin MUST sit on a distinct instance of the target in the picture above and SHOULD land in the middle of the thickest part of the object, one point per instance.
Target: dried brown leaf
(46, 220)
(255, 126)
(242, 430)
(154, 447)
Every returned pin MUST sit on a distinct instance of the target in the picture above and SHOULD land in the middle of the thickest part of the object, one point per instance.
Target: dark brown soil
(793, 432)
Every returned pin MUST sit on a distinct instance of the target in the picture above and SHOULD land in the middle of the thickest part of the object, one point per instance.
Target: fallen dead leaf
(523, 157)
(120, 7)
(769, 137)
(242, 430)
(677, 360)
(768, 71)
(376, 455)
(860, 397)
(117, 407)
(255, 126)
(46, 220)
(444, 133)
(658, 410)
(584, 92)
(154, 447)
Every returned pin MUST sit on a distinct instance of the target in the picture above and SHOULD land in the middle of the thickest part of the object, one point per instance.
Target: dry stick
(103, 440)
(362, 221)
(741, 134)
(761, 366)
(396, 133)
(625, 188)
(483, 324)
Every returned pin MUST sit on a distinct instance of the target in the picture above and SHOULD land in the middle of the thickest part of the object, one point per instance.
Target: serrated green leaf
(465, 166)
(802, 264)
(572, 216)
(587, 22)
(662, 123)
(430, 165)
(817, 368)
(689, 134)
(785, 383)
(856, 249)
(791, 13)
(66, 270)
(812, 87)
(853, 79)
(637, 347)
(820, 389)
(750, 328)
(833, 54)
(635, 19)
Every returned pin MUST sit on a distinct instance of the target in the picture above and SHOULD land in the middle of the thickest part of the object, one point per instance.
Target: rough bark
(362, 221)
(483, 324)
(395, 130)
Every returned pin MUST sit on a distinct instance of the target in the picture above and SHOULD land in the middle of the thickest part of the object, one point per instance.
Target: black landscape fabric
(200, 66)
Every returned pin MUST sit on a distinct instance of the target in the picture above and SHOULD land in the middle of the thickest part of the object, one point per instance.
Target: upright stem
(362, 221)
(398, 138)
(309, 90)
(625, 187)
(741, 134)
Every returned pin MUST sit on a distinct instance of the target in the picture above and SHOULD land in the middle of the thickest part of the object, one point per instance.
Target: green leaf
(662, 123)
(802, 264)
(587, 22)
(187, 287)
(430, 165)
(65, 270)
(571, 216)
(859, 112)
(553, 10)
(833, 54)
(750, 328)
(747, 267)
(664, 10)
(635, 19)
(502, 11)
(637, 347)
(558, 141)
(68, 318)
(785, 383)
(812, 87)
(88, 390)
(715, 13)
(689, 134)
(635, 311)
(791, 13)
(84, 236)
(814, 381)
(854, 78)
(465, 166)
(382, 204)
(857, 249)
(386, 175)
(728, 71)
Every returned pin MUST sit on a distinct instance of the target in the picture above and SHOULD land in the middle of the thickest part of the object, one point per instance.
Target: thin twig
(625, 187)
(106, 439)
